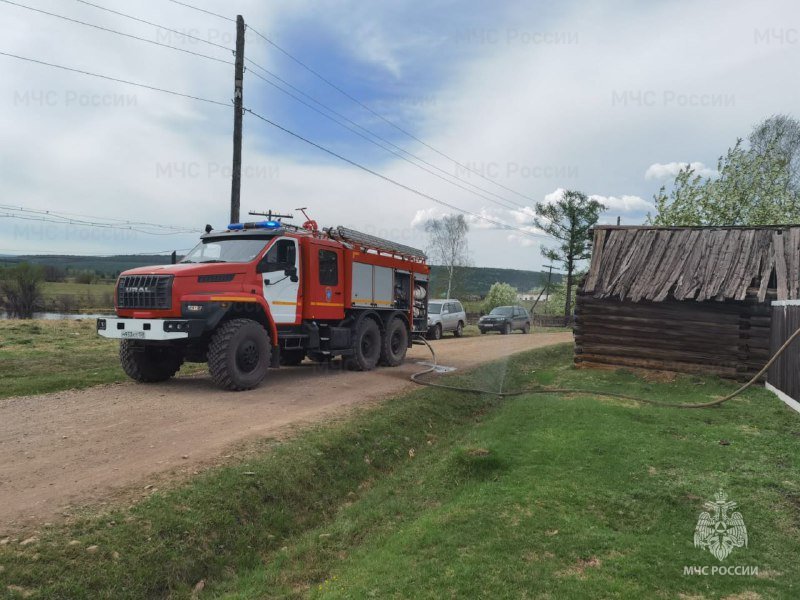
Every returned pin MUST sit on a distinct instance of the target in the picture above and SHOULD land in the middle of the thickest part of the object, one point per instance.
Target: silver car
(445, 315)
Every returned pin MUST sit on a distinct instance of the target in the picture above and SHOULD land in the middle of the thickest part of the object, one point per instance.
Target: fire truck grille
(145, 291)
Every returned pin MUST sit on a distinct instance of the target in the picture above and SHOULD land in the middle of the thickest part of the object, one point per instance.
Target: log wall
(730, 339)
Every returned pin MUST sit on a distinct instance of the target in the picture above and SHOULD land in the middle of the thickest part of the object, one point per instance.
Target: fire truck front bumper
(157, 330)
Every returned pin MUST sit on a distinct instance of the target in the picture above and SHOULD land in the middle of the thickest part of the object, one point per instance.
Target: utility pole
(238, 109)
(546, 289)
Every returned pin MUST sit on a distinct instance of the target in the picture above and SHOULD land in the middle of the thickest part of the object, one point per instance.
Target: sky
(485, 107)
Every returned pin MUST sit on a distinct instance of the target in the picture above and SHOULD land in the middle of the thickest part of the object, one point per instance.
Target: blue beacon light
(258, 225)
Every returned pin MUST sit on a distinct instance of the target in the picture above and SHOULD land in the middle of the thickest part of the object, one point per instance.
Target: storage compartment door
(383, 290)
(362, 285)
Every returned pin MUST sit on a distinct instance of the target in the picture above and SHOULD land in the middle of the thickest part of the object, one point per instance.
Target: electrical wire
(500, 224)
(120, 33)
(569, 391)
(202, 10)
(382, 118)
(376, 143)
(78, 223)
(182, 33)
(503, 202)
(69, 215)
(115, 79)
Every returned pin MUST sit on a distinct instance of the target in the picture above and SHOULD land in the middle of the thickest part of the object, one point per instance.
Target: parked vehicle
(445, 316)
(506, 319)
(260, 295)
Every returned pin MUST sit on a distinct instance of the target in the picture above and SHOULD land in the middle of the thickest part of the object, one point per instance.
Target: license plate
(139, 335)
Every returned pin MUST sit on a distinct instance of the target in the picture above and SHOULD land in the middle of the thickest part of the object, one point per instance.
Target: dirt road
(74, 448)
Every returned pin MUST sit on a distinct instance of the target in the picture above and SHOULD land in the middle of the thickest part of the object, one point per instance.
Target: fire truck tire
(239, 354)
(395, 343)
(149, 363)
(366, 346)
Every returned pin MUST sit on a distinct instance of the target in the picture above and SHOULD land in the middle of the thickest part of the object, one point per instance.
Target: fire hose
(416, 378)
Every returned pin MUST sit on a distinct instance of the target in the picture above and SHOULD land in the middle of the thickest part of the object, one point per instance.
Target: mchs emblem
(717, 530)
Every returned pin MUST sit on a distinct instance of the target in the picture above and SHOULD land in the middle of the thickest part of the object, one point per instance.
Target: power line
(202, 10)
(394, 181)
(382, 118)
(120, 33)
(133, 83)
(358, 165)
(361, 135)
(509, 203)
(69, 215)
(184, 34)
(79, 223)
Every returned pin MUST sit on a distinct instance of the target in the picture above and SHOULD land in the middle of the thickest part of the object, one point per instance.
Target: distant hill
(107, 266)
(476, 281)
(469, 281)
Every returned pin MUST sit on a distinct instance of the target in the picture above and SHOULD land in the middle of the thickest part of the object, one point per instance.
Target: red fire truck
(263, 294)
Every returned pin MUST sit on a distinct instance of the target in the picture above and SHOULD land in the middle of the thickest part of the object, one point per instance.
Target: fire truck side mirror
(291, 272)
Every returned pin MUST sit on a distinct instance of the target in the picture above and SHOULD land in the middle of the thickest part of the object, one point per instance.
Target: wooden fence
(784, 375)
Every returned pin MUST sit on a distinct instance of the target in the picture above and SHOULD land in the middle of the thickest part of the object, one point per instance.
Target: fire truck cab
(259, 295)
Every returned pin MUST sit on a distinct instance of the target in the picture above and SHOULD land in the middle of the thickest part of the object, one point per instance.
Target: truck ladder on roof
(365, 240)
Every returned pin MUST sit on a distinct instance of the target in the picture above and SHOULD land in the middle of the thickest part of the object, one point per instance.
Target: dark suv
(506, 319)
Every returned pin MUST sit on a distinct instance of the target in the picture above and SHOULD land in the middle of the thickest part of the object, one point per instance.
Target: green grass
(42, 356)
(78, 296)
(438, 494)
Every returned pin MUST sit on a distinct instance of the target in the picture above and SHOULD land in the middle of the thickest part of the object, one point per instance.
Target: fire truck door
(281, 274)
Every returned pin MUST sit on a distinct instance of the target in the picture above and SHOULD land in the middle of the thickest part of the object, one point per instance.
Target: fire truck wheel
(239, 354)
(292, 358)
(148, 363)
(395, 343)
(366, 346)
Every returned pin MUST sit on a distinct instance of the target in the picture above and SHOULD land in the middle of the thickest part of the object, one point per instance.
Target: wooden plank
(780, 266)
(767, 262)
(711, 264)
(793, 262)
(597, 257)
(685, 249)
(610, 250)
(644, 279)
(626, 245)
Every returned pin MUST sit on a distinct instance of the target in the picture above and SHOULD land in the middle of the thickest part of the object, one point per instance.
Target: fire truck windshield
(227, 250)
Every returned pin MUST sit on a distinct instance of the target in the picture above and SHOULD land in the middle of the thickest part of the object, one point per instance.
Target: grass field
(69, 296)
(48, 356)
(439, 494)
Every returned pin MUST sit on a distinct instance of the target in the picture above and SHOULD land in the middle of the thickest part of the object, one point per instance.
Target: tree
(755, 185)
(569, 220)
(21, 290)
(753, 188)
(780, 134)
(448, 244)
(500, 294)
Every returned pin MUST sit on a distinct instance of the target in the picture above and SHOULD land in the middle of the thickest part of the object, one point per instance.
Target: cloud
(670, 170)
(623, 204)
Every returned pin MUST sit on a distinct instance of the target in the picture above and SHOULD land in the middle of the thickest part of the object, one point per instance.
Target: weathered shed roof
(694, 263)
